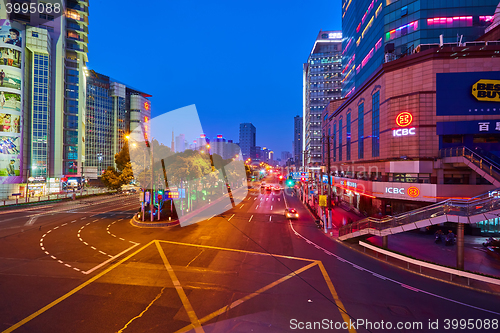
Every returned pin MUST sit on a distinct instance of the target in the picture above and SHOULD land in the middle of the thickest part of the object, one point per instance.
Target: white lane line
(62, 225)
(255, 198)
(93, 248)
(271, 207)
(53, 257)
(395, 281)
(122, 239)
(85, 243)
(210, 217)
(47, 252)
(110, 259)
(229, 219)
(49, 231)
(270, 218)
(256, 206)
(279, 199)
(67, 265)
(242, 206)
(273, 199)
(32, 220)
(43, 249)
(103, 252)
(250, 218)
(76, 269)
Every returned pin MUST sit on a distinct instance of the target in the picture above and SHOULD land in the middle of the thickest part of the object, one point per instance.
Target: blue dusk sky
(237, 61)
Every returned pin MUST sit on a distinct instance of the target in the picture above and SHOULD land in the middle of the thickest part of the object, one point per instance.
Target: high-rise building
(247, 139)
(43, 58)
(377, 31)
(108, 120)
(297, 140)
(321, 84)
(285, 156)
(180, 143)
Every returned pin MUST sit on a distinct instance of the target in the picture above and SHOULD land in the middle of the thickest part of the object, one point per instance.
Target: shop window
(485, 138)
(453, 139)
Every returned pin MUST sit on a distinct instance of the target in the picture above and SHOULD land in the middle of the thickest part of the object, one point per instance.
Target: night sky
(237, 61)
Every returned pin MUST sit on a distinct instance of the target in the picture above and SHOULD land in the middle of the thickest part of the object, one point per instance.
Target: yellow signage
(487, 90)
(322, 200)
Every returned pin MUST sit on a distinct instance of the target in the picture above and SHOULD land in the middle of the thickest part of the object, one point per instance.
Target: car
(291, 213)
(269, 188)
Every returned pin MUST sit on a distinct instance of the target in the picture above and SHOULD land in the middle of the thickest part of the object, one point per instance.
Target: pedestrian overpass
(480, 208)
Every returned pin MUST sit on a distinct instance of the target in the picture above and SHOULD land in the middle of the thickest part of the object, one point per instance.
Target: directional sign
(322, 200)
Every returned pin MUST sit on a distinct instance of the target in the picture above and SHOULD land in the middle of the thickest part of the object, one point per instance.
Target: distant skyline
(237, 62)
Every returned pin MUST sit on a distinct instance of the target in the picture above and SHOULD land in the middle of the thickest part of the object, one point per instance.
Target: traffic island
(155, 224)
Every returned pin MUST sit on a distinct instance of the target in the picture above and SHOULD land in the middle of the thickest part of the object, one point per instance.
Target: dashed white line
(229, 219)
(93, 248)
(122, 239)
(250, 218)
(242, 206)
(271, 207)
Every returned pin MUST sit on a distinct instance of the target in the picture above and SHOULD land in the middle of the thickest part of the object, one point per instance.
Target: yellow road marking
(236, 250)
(185, 301)
(246, 298)
(62, 298)
(336, 298)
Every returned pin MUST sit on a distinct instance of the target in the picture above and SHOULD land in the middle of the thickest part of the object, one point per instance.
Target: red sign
(404, 119)
(413, 192)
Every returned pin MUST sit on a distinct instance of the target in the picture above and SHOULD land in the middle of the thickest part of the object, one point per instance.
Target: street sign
(322, 200)
(172, 194)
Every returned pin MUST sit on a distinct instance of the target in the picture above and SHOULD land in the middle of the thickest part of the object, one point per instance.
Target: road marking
(229, 219)
(143, 312)
(93, 248)
(335, 296)
(255, 198)
(271, 207)
(210, 217)
(270, 216)
(248, 297)
(31, 220)
(72, 292)
(111, 259)
(250, 218)
(85, 243)
(273, 199)
(195, 322)
(256, 206)
(242, 206)
(103, 252)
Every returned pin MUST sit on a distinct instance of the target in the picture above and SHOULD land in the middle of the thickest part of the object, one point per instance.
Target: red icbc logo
(404, 119)
(413, 192)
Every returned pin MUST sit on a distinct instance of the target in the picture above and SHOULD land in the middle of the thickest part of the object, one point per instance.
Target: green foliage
(123, 174)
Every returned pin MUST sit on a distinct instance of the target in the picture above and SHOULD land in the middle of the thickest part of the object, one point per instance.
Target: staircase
(485, 167)
(483, 207)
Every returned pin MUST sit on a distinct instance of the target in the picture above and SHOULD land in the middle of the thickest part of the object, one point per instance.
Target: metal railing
(481, 204)
(54, 196)
(485, 164)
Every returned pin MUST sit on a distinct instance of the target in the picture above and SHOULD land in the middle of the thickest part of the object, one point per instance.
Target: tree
(123, 174)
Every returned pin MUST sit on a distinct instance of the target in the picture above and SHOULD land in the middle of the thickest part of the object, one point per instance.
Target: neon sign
(403, 131)
(146, 106)
(404, 119)
(413, 192)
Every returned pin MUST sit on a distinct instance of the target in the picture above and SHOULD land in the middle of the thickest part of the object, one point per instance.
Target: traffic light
(290, 182)
(280, 177)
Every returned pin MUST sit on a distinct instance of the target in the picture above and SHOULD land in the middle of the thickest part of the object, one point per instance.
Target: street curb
(414, 272)
(135, 222)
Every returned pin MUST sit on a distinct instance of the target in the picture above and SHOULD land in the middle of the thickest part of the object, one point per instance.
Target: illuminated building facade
(401, 141)
(113, 110)
(377, 31)
(247, 140)
(321, 84)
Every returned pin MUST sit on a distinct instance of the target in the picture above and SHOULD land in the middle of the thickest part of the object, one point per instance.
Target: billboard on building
(471, 93)
(11, 92)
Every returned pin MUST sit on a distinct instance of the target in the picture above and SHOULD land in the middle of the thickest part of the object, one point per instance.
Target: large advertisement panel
(11, 92)
(471, 93)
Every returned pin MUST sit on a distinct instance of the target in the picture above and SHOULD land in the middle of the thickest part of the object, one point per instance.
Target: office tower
(107, 120)
(377, 31)
(247, 139)
(297, 140)
(217, 146)
(321, 84)
(285, 156)
(180, 143)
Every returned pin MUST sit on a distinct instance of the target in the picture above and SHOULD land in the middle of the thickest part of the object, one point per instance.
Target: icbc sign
(404, 119)
(413, 192)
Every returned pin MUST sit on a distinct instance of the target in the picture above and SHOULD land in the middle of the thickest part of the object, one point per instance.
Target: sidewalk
(421, 246)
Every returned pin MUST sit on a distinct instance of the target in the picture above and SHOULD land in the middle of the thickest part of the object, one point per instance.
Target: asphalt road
(82, 267)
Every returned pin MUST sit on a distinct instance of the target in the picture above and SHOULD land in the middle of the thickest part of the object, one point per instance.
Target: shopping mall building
(421, 129)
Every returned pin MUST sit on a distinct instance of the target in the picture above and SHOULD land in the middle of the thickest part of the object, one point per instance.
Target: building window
(334, 142)
(361, 129)
(376, 124)
(348, 137)
(340, 140)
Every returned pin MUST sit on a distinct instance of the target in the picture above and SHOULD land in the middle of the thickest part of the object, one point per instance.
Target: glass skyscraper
(321, 84)
(371, 26)
(247, 140)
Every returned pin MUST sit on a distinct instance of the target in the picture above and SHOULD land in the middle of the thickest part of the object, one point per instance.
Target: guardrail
(55, 196)
(436, 267)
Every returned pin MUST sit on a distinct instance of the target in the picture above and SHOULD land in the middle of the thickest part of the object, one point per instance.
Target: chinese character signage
(468, 127)
(474, 93)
